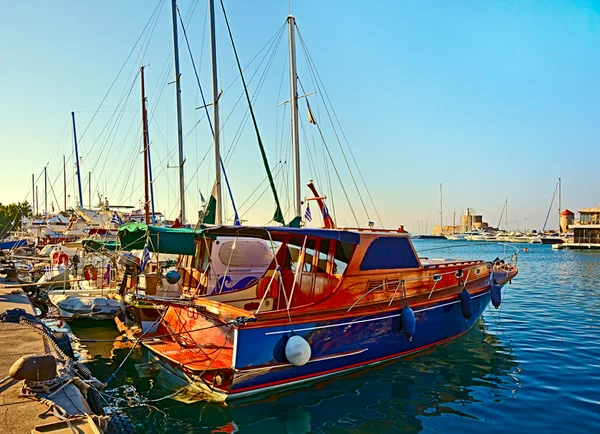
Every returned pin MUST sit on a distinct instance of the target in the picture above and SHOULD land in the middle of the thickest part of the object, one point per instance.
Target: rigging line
(313, 69)
(131, 158)
(114, 132)
(331, 195)
(53, 194)
(159, 5)
(276, 169)
(278, 213)
(269, 42)
(311, 160)
(276, 41)
(250, 111)
(261, 195)
(341, 147)
(206, 109)
(110, 121)
(550, 208)
(338, 176)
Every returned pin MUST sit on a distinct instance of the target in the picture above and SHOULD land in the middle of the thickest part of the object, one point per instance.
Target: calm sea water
(531, 366)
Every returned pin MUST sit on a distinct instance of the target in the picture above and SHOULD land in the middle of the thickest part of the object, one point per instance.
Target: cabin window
(323, 256)
(247, 253)
(309, 254)
(388, 253)
(291, 259)
(343, 253)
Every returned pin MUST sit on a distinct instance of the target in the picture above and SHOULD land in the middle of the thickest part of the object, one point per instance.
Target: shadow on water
(451, 380)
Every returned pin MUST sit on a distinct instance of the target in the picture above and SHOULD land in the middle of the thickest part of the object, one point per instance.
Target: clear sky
(494, 99)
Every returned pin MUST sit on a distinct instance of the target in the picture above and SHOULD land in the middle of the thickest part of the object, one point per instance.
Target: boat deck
(197, 358)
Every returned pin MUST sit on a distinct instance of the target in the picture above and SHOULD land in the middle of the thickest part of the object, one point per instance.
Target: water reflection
(394, 396)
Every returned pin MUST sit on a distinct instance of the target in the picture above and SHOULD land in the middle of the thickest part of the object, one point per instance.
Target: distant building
(586, 230)
(566, 219)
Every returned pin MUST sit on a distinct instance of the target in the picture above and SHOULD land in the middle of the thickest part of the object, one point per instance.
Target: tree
(11, 215)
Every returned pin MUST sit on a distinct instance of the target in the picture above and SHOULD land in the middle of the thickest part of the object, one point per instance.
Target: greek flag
(116, 219)
(48, 274)
(307, 214)
(29, 266)
(145, 259)
(325, 212)
(107, 274)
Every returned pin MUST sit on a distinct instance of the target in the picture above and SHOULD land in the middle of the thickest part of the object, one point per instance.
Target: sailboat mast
(65, 181)
(179, 127)
(506, 215)
(441, 219)
(145, 138)
(559, 228)
(45, 191)
(33, 208)
(90, 189)
(294, 114)
(77, 162)
(215, 92)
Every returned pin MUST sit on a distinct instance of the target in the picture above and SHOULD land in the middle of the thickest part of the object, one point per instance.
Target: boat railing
(510, 260)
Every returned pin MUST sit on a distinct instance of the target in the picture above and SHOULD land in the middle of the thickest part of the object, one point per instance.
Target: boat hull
(337, 346)
(344, 345)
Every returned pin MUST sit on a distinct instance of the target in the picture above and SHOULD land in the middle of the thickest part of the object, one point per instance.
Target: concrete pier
(17, 414)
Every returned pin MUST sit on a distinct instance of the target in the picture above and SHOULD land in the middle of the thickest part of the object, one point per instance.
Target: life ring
(63, 259)
(263, 285)
(90, 272)
(55, 257)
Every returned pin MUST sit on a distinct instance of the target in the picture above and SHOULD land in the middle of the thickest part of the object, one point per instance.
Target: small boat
(78, 304)
(7, 244)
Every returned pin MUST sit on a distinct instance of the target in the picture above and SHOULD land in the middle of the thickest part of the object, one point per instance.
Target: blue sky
(494, 99)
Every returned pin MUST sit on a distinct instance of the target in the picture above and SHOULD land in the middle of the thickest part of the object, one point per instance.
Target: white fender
(297, 351)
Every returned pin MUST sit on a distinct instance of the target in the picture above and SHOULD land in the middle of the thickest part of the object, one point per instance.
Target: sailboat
(329, 301)
(441, 235)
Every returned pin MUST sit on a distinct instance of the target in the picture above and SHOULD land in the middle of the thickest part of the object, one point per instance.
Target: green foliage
(10, 215)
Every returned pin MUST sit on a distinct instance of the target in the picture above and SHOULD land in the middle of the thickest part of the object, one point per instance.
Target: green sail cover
(132, 236)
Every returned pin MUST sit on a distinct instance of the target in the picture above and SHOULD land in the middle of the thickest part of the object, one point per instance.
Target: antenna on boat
(294, 115)
(179, 127)
(215, 105)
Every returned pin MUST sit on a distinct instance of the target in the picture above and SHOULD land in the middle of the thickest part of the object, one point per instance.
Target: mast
(90, 189)
(37, 201)
(441, 219)
(77, 161)
(65, 182)
(559, 228)
(215, 92)
(294, 115)
(453, 220)
(33, 210)
(506, 215)
(145, 138)
(45, 191)
(179, 127)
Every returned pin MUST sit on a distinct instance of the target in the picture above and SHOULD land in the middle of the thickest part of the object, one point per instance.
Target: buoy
(409, 323)
(496, 291)
(465, 303)
(173, 277)
(297, 351)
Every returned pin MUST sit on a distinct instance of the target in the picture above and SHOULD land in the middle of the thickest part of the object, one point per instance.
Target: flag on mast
(307, 214)
(311, 118)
